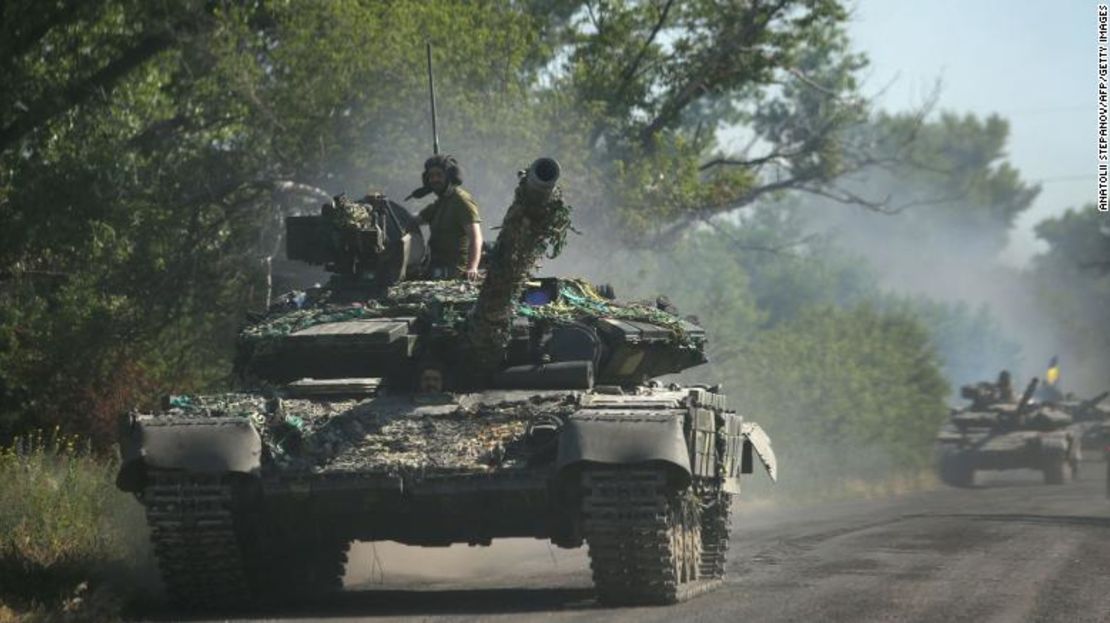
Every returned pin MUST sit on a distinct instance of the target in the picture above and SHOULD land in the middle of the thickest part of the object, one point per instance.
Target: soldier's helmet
(448, 164)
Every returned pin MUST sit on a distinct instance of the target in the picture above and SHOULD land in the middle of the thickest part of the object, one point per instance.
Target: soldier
(1005, 387)
(453, 220)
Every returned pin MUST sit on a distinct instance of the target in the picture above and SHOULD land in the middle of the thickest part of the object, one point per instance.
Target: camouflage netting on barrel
(535, 224)
(394, 435)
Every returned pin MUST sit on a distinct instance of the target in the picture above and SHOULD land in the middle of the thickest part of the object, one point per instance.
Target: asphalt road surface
(1011, 549)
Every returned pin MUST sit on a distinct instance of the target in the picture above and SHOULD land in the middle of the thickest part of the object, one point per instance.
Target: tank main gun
(1027, 396)
(1025, 404)
(536, 223)
(1090, 403)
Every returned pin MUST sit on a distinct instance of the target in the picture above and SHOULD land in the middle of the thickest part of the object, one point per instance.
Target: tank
(385, 406)
(997, 432)
(1089, 416)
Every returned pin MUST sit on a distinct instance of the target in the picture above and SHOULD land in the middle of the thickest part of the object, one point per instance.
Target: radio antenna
(432, 94)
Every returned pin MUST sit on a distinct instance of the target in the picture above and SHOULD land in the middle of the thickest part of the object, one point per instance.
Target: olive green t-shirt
(449, 218)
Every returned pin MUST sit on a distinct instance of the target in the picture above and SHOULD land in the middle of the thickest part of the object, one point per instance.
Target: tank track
(192, 529)
(629, 521)
(716, 521)
(211, 557)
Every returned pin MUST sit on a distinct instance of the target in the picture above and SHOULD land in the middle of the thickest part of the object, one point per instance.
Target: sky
(1031, 62)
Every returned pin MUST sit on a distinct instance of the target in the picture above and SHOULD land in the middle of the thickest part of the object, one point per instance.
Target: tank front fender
(623, 438)
(210, 445)
(757, 440)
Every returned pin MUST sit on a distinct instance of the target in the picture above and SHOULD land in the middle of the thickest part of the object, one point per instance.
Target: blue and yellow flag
(1053, 373)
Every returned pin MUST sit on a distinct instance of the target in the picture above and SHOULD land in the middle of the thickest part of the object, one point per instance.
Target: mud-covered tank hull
(235, 486)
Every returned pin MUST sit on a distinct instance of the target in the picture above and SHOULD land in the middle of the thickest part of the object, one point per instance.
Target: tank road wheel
(192, 529)
(955, 469)
(1057, 470)
(716, 520)
(644, 538)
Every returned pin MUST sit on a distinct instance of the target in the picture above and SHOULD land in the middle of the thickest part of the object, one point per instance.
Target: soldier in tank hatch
(453, 220)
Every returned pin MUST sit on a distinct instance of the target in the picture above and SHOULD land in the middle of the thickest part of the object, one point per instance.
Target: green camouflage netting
(394, 435)
(448, 301)
(578, 299)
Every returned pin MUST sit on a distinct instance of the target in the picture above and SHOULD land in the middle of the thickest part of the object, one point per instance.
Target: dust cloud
(506, 563)
(921, 254)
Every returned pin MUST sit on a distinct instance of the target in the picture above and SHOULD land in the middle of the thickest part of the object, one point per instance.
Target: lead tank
(382, 406)
(997, 432)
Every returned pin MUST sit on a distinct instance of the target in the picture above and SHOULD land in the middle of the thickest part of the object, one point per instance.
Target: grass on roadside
(72, 547)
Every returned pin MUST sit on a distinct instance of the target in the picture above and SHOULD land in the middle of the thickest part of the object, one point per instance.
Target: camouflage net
(578, 299)
(449, 301)
(390, 435)
(346, 215)
(297, 320)
(535, 224)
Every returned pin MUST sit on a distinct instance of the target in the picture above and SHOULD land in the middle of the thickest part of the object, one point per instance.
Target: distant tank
(996, 432)
(383, 406)
(1089, 416)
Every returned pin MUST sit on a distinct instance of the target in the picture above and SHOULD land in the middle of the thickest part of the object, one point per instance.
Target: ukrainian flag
(1053, 373)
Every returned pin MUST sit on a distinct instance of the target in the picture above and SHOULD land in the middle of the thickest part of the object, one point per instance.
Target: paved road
(1011, 549)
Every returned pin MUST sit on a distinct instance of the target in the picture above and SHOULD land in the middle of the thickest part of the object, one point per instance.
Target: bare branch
(754, 162)
(806, 80)
(630, 71)
(841, 195)
(740, 245)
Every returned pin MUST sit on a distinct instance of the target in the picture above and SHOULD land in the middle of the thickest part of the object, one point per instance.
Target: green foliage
(845, 381)
(149, 150)
(659, 81)
(969, 343)
(1072, 281)
(64, 525)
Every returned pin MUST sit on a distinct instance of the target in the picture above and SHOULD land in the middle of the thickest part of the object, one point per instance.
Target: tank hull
(962, 453)
(563, 466)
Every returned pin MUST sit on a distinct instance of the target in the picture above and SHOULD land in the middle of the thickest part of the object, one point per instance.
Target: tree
(148, 151)
(1072, 281)
(856, 388)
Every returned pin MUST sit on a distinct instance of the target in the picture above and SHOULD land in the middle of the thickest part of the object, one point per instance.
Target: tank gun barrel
(1091, 402)
(1027, 397)
(540, 179)
(535, 223)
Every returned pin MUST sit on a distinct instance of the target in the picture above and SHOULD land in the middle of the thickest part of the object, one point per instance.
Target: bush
(845, 394)
(69, 541)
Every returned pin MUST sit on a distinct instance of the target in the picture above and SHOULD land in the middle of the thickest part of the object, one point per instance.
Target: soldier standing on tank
(453, 220)
(1005, 387)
